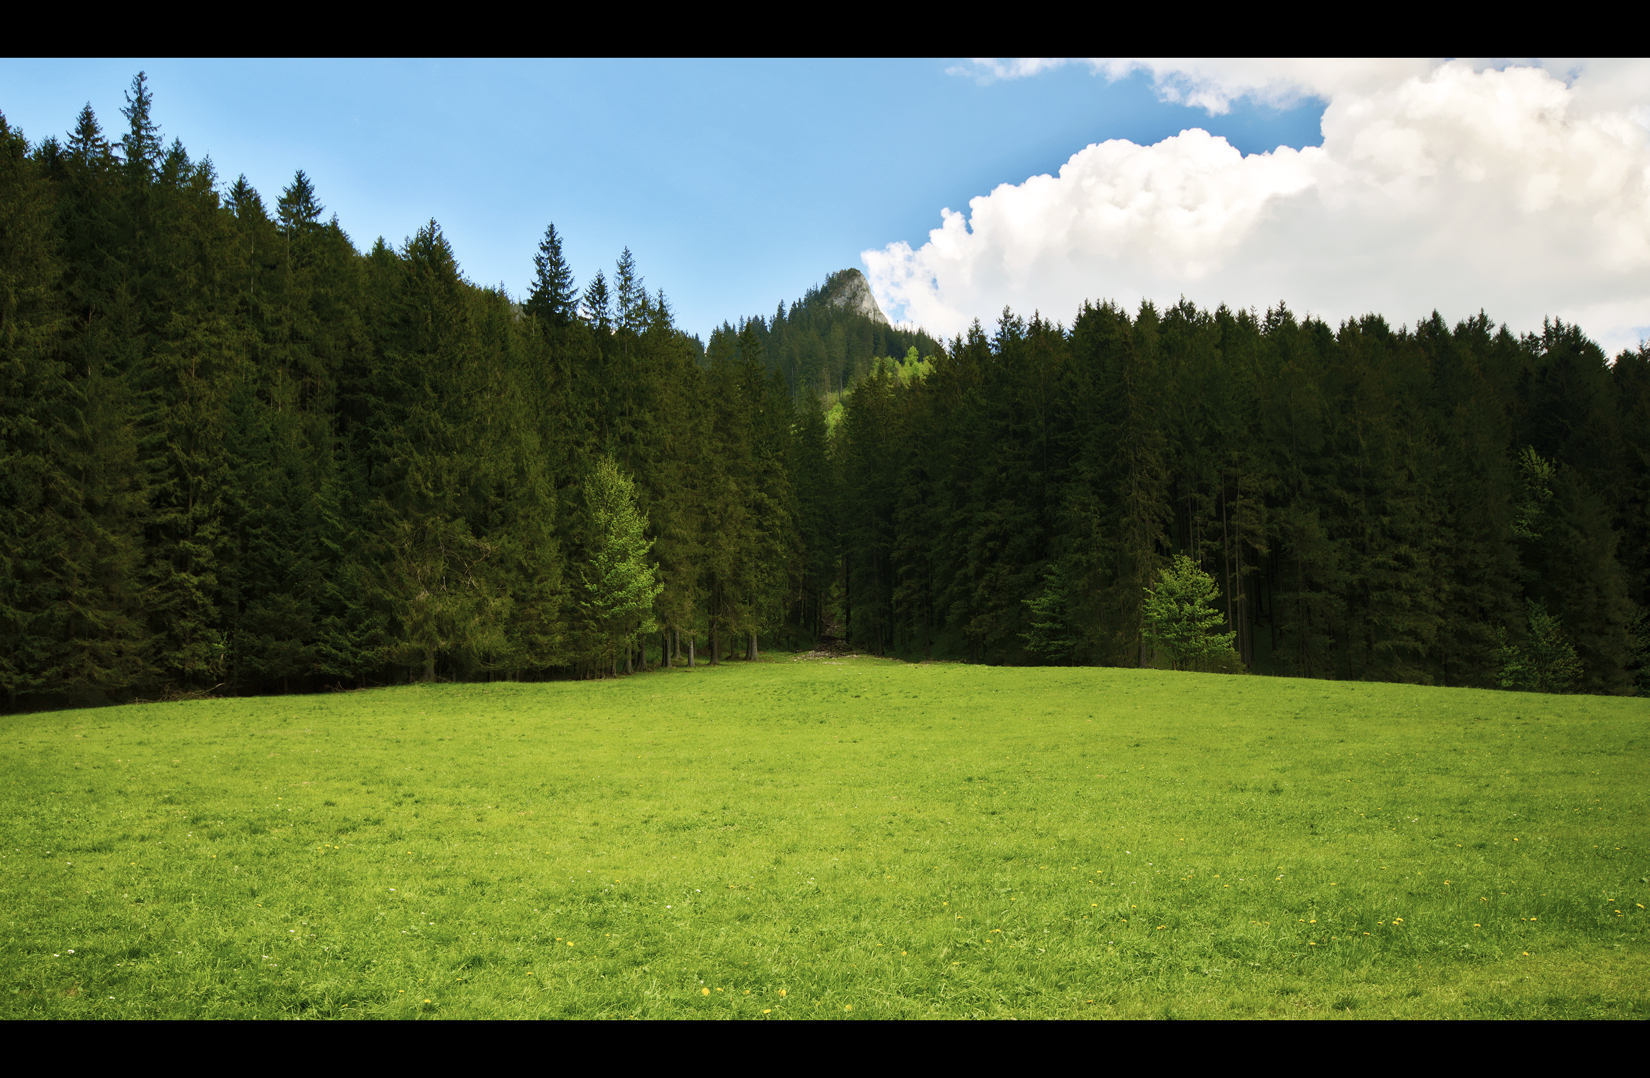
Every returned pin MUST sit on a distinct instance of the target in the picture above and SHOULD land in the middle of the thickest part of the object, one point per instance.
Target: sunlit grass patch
(792, 839)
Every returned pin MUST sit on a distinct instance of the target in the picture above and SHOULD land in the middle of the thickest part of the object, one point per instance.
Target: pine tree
(140, 147)
(1053, 637)
(36, 495)
(433, 554)
(597, 305)
(811, 473)
(618, 585)
(195, 355)
(1180, 615)
(553, 299)
(631, 297)
(298, 208)
(1546, 662)
(101, 639)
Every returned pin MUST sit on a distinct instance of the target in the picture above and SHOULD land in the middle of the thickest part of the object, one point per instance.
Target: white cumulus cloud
(1523, 191)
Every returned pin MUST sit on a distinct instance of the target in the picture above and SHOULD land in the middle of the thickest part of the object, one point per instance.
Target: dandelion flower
(781, 991)
(704, 991)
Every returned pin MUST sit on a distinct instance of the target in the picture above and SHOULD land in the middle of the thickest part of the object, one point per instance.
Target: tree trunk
(847, 602)
(690, 649)
(751, 655)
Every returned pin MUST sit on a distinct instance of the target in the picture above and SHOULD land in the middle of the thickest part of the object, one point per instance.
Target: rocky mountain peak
(848, 288)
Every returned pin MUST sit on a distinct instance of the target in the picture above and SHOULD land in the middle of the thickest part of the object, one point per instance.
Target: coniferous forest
(239, 455)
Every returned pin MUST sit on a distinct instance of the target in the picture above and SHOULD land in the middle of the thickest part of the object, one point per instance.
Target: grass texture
(844, 838)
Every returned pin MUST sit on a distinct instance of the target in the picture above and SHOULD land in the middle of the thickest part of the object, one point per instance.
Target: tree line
(240, 455)
(1440, 505)
(237, 454)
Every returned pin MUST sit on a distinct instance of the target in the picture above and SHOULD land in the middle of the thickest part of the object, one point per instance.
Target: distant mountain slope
(850, 291)
(825, 341)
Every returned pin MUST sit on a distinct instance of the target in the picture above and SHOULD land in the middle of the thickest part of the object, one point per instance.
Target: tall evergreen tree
(102, 637)
(597, 305)
(38, 577)
(553, 299)
(298, 207)
(631, 298)
(140, 147)
(618, 585)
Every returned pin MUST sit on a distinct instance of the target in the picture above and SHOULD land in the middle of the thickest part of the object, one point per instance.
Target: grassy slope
(798, 838)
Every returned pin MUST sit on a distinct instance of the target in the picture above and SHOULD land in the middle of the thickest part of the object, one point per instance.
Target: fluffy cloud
(1438, 185)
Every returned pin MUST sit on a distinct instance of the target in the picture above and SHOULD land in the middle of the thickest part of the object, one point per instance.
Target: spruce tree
(597, 305)
(553, 299)
(1053, 637)
(298, 207)
(1181, 617)
(618, 585)
(1545, 662)
(36, 495)
(140, 147)
(101, 639)
(629, 294)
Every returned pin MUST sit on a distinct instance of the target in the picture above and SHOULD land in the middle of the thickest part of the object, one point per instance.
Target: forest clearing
(832, 837)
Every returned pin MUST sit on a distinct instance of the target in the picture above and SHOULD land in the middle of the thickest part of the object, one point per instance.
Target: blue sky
(1339, 187)
(735, 183)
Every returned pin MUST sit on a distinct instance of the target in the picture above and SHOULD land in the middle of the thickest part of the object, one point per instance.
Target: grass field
(856, 838)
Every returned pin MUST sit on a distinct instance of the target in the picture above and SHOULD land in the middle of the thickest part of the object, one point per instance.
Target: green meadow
(847, 838)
